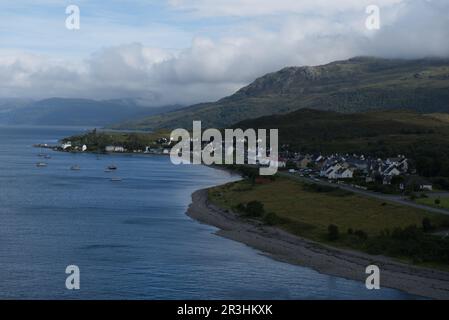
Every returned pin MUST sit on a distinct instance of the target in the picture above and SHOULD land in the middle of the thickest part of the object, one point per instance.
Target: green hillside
(354, 85)
(422, 137)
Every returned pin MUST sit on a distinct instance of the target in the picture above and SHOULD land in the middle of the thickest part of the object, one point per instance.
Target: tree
(426, 225)
(361, 234)
(311, 165)
(437, 201)
(333, 233)
(396, 180)
(254, 209)
(271, 219)
(291, 165)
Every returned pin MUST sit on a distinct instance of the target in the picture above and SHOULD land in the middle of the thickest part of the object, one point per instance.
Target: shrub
(409, 233)
(361, 234)
(437, 202)
(254, 209)
(426, 225)
(334, 191)
(272, 219)
(240, 207)
(333, 232)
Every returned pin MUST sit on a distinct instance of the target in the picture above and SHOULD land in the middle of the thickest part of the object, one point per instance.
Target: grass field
(444, 202)
(308, 213)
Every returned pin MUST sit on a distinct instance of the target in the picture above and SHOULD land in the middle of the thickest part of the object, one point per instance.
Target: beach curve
(285, 247)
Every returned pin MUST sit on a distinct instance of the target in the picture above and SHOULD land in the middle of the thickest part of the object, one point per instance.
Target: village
(390, 175)
(387, 175)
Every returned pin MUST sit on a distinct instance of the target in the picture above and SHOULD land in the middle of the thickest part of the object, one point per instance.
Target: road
(388, 198)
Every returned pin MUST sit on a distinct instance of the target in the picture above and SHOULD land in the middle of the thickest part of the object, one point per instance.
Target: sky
(189, 51)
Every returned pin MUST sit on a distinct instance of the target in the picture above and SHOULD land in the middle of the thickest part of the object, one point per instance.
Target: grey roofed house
(358, 163)
(392, 170)
(418, 183)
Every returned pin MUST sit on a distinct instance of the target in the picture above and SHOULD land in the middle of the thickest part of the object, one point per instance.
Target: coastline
(349, 264)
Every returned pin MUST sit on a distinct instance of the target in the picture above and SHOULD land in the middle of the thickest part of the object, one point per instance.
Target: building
(417, 183)
(66, 145)
(114, 149)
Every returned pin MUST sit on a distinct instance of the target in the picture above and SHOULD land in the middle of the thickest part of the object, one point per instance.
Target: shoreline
(349, 264)
(285, 247)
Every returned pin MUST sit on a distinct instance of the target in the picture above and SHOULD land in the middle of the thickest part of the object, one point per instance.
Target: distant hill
(60, 111)
(353, 85)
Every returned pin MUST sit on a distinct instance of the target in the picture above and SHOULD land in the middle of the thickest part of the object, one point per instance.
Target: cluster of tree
(248, 172)
(333, 233)
(411, 242)
(415, 243)
(253, 209)
(97, 141)
(256, 210)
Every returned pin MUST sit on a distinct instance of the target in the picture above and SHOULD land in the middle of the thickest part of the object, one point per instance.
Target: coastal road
(379, 196)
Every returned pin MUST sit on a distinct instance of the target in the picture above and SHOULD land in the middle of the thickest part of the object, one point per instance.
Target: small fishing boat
(75, 168)
(41, 164)
(112, 167)
(116, 179)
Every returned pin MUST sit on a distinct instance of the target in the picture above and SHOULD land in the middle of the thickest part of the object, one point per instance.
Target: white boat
(116, 179)
(75, 168)
(41, 164)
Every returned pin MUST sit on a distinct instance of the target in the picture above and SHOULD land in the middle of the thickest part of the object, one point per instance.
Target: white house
(330, 172)
(391, 171)
(66, 145)
(344, 173)
(337, 171)
(114, 149)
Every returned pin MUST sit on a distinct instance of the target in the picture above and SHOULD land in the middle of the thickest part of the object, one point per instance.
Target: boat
(116, 179)
(75, 168)
(41, 164)
(47, 157)
(112, 167)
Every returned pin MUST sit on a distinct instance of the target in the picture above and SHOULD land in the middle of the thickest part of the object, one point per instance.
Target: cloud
(266, 36)
(245, 8)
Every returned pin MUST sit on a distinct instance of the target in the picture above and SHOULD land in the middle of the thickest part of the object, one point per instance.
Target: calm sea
(130, 239)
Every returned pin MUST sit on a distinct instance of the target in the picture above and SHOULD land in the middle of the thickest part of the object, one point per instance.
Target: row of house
(66, 146)
(335, 167)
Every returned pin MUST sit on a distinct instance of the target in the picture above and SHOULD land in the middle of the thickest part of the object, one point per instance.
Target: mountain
(353, 85)
(60, 111)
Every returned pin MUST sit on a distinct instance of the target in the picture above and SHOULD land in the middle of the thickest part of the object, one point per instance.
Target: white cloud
(276, 34)
(269, 7)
